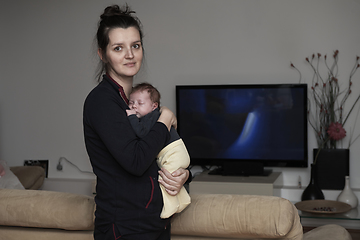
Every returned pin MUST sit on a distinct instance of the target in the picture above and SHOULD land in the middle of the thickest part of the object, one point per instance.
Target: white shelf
(78, 186)
(217, 184)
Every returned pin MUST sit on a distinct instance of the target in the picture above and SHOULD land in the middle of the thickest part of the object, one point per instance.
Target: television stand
(206, 183)
(221, 171)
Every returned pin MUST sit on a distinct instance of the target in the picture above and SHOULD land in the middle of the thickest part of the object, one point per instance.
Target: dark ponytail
(114, 17)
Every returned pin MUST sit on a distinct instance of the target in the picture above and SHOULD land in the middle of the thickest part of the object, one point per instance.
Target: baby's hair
(114, 17)
(154, 93)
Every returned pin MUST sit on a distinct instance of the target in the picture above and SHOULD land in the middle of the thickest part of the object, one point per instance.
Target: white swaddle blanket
(173, 157)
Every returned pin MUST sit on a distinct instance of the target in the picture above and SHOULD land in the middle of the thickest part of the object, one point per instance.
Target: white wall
(48, 62)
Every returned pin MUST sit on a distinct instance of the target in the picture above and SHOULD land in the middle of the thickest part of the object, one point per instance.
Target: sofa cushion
(22, 233)
(238, 216)
(46, 209)
(328, 232)
(31, 177)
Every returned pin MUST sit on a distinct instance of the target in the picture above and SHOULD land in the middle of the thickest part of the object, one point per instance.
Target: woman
(128, 200)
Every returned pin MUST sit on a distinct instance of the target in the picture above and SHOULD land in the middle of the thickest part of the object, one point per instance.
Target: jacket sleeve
(110, 131)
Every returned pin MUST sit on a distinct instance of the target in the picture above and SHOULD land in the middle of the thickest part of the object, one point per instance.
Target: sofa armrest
(46, 209)
(238, 216)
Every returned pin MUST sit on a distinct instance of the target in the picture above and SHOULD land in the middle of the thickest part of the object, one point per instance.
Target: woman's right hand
(168, 118)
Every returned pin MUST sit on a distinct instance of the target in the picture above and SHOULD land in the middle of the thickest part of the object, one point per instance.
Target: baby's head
(144, 98)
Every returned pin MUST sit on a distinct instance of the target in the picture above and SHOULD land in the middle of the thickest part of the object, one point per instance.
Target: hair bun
(115, 10)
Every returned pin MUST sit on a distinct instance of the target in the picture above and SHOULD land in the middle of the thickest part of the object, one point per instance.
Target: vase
(332, 167)
(312, 191)
(347, 195)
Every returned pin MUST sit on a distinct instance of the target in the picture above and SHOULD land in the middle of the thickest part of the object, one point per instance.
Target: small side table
(349, 220)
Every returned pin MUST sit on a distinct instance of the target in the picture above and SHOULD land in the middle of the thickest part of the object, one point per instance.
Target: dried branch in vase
(327, 101)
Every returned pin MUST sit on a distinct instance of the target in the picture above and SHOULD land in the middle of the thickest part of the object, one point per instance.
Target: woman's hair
(154, 93)
(114, 17)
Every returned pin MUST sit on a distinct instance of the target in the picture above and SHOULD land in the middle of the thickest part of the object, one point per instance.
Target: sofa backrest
(238, 216)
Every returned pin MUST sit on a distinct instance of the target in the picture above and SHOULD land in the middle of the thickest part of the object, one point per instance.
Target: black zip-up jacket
(128, 195)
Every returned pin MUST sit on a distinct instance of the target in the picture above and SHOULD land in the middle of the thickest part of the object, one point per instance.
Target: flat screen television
(243, 128)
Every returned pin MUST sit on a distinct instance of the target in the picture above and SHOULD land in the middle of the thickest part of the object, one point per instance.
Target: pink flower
(2, 170)
(336, 131)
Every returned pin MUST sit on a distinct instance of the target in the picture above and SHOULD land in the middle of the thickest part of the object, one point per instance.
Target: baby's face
(140, 102)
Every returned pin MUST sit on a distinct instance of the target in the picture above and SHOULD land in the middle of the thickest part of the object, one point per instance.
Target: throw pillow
(8, 178)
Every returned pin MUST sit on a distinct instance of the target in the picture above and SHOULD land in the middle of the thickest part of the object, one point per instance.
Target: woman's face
(124, 53)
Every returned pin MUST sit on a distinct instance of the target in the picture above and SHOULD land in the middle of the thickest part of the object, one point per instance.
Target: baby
(144, 112)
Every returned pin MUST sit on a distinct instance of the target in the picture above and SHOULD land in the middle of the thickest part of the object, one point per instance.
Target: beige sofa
(43, 215)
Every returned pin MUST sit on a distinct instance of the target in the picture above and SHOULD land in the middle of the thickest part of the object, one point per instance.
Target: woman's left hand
(173, 182)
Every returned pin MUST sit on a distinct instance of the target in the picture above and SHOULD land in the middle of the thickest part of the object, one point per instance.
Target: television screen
(265, 124)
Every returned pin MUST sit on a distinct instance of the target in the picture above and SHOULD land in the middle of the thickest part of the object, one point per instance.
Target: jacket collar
(118, 87)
